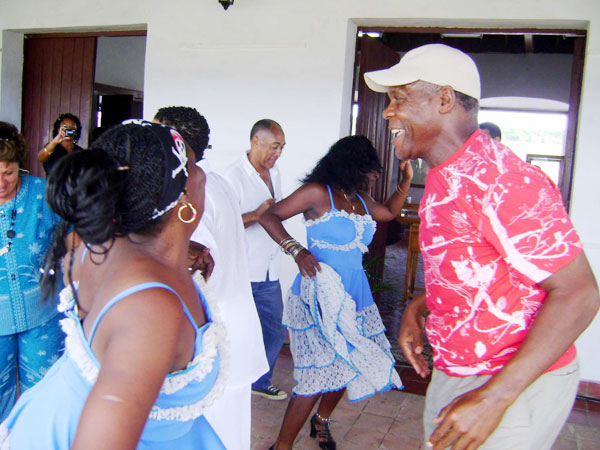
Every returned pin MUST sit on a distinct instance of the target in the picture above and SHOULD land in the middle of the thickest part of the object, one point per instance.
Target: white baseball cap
(434, 63)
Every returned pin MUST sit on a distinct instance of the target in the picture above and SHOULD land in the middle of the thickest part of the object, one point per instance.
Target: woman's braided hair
(108, 191)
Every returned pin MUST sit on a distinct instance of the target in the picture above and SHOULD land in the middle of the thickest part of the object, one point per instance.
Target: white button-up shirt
(221, 229)
(263, 253)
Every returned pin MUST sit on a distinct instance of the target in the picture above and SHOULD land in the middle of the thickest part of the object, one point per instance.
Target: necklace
(10, 234)
(349, 201)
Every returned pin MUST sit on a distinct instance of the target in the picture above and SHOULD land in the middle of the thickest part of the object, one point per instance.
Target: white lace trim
(360, 221)
(73, 341)
(322, 320)
(339, 213)
(369, 321)
(4, 437)
(77, 351)
(67, 299)
(214, 344)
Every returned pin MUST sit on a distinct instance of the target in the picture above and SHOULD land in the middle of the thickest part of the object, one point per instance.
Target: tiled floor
(391, 420)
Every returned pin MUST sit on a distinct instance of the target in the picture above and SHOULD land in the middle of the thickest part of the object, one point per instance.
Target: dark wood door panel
(58, 77)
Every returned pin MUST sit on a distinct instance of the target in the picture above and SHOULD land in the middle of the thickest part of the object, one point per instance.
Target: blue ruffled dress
(46, 416)
(337, 338)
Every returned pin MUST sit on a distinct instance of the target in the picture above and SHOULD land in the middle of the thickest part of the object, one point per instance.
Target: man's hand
(467, 421)
(250, 218)
(407, 170)
(264, 206)
(411, 334)
(570, 305)
(200, 259)
(307, 264)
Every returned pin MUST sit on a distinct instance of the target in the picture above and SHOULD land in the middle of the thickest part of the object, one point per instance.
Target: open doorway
(85, 67)
(522, 70)
(536, 69)
(119, 79)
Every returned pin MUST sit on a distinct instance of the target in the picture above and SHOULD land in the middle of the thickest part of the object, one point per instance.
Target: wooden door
(374, 55)
(58, 77)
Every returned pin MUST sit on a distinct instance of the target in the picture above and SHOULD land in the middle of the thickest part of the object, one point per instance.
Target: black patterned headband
(175, 175)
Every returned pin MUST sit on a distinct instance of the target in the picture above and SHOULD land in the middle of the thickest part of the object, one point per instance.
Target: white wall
(292, 61)
(120, 61)
(11, 77)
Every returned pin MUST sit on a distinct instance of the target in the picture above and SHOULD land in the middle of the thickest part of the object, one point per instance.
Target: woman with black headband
(66, 131)
(143, 355)
(30, 336)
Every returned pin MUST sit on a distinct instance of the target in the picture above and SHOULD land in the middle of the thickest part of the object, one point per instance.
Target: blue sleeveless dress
(336, 335)
(47, 415)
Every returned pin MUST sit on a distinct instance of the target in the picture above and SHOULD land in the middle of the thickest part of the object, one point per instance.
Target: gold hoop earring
(182, 208)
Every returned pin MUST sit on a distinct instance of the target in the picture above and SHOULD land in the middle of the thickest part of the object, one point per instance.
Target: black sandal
(326, 441)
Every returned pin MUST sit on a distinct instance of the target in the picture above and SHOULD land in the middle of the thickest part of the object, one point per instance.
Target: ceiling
(484, 43)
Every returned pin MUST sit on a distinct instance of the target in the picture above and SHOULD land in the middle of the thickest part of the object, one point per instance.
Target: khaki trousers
(532, 422)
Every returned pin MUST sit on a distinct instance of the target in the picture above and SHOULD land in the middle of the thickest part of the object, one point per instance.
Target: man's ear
(447, 99)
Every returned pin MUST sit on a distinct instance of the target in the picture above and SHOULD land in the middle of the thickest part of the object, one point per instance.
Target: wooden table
(409, 215)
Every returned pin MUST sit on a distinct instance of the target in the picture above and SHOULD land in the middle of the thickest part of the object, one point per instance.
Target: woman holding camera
(66, 131)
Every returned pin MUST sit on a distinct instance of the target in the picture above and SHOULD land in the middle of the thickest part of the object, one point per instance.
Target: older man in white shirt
(257, 182)
(222, 231)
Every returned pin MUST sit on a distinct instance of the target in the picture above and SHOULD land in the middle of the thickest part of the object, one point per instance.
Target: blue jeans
(30, 353)
(269, 305)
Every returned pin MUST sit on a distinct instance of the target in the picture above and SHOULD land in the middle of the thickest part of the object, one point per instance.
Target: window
(536, 137)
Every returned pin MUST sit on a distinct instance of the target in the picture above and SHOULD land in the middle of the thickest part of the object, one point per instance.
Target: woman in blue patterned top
(336, 335)
(31, 339)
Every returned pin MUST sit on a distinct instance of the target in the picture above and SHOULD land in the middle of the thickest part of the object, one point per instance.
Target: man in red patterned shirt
(508, 287)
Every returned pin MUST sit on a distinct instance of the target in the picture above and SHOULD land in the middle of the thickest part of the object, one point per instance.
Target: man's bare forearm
(570, 306)
(250, 218)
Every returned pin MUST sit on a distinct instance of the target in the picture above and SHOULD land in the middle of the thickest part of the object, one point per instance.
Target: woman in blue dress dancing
(336, 335)
(143, 349)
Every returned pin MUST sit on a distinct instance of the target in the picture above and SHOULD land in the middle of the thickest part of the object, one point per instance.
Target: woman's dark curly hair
(346, 164)
(62, 117)
(13, 147)
(106, 192)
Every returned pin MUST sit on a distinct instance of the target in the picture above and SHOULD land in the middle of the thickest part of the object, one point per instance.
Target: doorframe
(49, 35)
(574, 91)
(88, 123)
(414, 383)
(13, 45)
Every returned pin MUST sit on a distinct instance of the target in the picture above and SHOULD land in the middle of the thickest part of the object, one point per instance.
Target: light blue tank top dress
(337, 337)
(46, 416)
